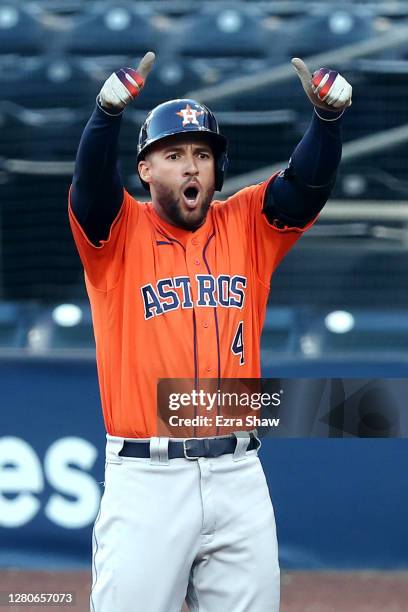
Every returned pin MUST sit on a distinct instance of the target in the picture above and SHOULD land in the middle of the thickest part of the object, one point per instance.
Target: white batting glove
(124, 85)
(326, 88)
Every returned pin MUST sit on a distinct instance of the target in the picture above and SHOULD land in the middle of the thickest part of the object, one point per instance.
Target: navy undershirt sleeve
(97, 186)
(299, 193)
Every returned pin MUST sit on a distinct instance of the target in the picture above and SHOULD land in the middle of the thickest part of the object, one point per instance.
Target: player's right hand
(125, 84)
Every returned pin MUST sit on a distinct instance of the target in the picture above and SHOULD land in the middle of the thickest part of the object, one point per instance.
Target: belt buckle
(185, 449)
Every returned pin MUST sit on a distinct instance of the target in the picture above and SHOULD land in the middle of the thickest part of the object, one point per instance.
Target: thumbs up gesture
(125, 84)
(326, 88)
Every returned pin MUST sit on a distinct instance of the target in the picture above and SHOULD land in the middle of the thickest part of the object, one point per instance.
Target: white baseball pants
(168, 530)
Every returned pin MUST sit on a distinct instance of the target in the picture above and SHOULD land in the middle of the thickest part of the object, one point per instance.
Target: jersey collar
(178, 233)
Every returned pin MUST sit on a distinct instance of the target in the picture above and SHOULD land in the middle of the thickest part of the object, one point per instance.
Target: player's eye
(204, 155)
(172, 156)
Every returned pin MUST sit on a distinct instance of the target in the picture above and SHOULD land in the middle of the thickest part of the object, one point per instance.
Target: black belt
(191, 448)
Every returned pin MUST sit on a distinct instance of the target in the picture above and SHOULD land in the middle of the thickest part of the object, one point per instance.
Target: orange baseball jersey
(171, 303)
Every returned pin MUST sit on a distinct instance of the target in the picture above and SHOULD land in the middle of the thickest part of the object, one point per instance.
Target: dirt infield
(301, 591)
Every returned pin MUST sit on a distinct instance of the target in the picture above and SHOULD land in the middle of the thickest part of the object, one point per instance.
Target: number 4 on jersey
(237, 346)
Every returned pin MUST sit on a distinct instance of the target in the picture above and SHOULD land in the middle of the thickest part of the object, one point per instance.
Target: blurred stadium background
(338, 306)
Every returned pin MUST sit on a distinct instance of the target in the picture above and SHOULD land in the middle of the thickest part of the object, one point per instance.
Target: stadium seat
(221, 31)
(347, 332)
(21, 32)
(15, 318)
(104, 28)
(373, 331)
(49, 82)
(280, 332)
(327, 28)
(62, 326)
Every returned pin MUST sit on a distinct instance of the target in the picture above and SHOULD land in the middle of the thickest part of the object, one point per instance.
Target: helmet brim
(218, 142)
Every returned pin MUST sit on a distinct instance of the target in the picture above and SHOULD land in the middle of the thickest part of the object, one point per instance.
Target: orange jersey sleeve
(103, 264)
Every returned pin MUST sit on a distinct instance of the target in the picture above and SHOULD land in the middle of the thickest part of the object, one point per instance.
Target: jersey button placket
(195, 265)
(206, 325)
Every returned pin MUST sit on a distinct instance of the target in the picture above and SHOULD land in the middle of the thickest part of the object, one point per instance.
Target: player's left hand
(326, 88)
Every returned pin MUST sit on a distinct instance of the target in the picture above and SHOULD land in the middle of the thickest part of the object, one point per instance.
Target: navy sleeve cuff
(106, 112)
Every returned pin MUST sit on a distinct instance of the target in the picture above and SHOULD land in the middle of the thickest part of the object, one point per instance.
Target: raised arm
(97, 187)
(299, 193)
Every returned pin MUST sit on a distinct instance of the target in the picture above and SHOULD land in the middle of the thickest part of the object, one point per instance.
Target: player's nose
(191, 166)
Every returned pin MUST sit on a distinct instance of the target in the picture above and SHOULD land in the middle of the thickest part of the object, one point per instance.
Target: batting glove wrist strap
(120, 88)
(329, 118)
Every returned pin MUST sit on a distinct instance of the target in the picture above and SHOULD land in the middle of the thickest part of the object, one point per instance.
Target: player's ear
(144, 170)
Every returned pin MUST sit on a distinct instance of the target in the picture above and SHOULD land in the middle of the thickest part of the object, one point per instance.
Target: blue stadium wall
(339, 503)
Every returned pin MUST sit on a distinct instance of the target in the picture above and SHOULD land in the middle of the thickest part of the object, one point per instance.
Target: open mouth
(191, 196)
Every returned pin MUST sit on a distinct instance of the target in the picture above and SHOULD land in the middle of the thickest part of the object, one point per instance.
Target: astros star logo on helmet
(189, 115)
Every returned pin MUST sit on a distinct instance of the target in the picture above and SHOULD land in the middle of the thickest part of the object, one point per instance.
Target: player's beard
(171, 203)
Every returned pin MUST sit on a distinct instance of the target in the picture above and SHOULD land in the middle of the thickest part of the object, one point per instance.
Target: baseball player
(178, 289)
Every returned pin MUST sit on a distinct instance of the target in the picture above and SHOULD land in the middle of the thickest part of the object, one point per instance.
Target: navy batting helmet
(180, 117)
